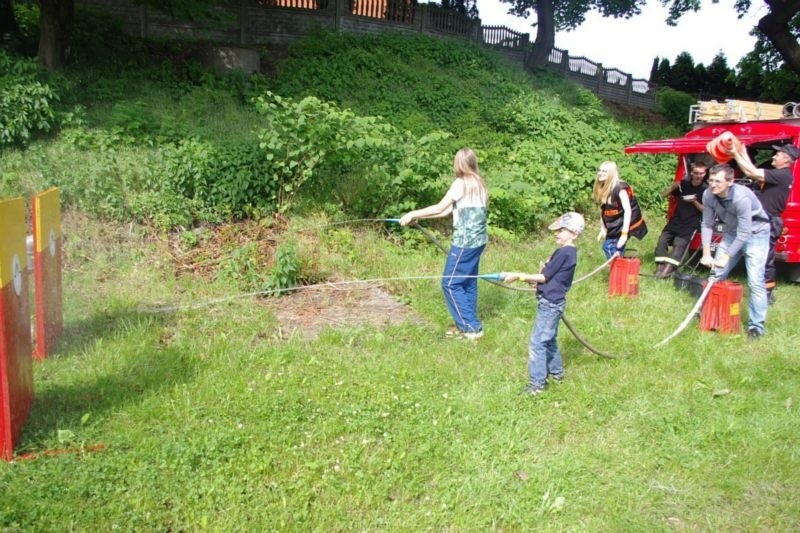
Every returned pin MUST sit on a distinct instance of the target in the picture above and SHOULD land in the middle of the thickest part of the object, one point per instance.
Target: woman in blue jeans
(466, 199)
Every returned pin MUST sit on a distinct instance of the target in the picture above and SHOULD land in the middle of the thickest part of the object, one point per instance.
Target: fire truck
(758, 127)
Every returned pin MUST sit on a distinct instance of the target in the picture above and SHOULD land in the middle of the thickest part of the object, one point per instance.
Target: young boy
(552, 284)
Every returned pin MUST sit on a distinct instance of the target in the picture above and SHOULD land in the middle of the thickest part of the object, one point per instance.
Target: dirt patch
(305, 312)
(309, 311)
(203, 250)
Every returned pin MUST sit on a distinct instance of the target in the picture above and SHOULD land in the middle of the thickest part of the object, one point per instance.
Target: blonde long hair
(601, 192)
(465, 166)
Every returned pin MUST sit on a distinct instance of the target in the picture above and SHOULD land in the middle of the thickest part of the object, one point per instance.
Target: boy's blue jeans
(543, 355)
(460, 292)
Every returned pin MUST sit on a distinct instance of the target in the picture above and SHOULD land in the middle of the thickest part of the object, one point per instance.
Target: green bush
(26, 104)
(674, 105)
(222, 181)
(366, 165)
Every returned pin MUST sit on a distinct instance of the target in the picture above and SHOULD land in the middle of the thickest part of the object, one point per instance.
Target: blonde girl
(620, 215)
(466, 199)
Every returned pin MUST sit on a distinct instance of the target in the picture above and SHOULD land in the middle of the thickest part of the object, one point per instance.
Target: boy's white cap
(572, 221)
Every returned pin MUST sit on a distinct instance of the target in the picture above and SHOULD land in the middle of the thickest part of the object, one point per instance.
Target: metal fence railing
(295, 4)
(503, 37)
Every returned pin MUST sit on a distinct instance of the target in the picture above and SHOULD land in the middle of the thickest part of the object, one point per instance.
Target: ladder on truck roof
(741, 111)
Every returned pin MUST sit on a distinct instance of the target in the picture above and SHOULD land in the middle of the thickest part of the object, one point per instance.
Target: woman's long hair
(465, 166)
(601, 192)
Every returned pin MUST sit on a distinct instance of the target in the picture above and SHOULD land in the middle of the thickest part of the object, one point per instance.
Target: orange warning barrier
(46, 214)
(624, 277)
(721, 308)
(723, 147)
(16, 365)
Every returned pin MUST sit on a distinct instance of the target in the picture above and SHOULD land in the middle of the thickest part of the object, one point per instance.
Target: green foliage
(347, 125)
(26, 104)
(552, 157)
(367, 165)
(284, 273)
(224, 180)
(423, 83)
(242, 269)
(674, 105)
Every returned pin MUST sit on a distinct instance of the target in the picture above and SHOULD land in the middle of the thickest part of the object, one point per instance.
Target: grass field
(213, 418)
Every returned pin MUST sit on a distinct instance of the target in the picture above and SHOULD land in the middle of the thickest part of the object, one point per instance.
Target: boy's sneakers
(473, 335)
(533, 390)
(556, 379)
(753, 334)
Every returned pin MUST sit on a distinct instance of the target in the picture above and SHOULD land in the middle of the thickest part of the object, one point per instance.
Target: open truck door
(758, 137)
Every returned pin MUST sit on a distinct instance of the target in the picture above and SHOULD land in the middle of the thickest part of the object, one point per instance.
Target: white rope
(274, 292)
(691, 314)
(596, 270)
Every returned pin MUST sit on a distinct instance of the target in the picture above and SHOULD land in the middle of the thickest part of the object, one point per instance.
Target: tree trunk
(8, 22)
(55, 24)
(545, 33)
(775, 26)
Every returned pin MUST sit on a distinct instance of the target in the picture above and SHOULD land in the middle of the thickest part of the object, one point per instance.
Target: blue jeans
(610, 246)
(460, 291)
(543, 355)
(755, 253)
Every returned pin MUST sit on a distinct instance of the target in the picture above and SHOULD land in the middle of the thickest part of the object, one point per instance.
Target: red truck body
(758, 137)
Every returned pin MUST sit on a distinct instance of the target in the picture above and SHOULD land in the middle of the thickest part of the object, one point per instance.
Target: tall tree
(683, 73)
(55, 25)
(8, 22)
(718, 76)
(664, 73)
(468, 8)
(653, 79)
(566, 15)
(779, 26)
(569, 14)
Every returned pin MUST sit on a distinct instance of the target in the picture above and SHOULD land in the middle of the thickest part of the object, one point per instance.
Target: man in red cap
(774, 183)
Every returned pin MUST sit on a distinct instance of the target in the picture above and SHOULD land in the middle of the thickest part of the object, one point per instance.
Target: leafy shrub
(284, 274)
(367, 165)
(242, 268)
(26, 104)
(221, 180)
(674, 105)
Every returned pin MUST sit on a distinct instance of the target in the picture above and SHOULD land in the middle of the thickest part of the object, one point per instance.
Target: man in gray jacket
(746, 234)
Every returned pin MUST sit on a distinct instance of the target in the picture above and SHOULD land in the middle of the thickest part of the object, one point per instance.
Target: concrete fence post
(340, 10)
(421, 18)
(629, 92)
(143, 22)
(600, 76)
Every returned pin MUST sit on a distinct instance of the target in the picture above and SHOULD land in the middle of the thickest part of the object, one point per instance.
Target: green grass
(210, 421)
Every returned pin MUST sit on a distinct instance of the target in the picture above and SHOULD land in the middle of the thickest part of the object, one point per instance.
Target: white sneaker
(473, 335)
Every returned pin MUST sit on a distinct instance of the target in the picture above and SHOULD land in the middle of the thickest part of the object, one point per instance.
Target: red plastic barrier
(723, 147)
(46, 216)
(16, 364)
(721, 308)
(624, 277)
